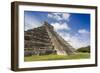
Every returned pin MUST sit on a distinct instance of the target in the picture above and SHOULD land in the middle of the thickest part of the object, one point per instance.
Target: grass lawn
(57, 57)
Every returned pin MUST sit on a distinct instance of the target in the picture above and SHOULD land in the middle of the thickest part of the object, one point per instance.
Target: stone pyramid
(44, 40)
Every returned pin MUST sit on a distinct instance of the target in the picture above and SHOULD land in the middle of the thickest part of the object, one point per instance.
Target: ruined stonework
(44, 40)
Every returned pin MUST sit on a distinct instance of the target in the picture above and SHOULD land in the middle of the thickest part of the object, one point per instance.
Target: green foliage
(57, 57)
(84, 49)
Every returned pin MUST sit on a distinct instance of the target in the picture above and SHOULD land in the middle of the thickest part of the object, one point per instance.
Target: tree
(84, 49)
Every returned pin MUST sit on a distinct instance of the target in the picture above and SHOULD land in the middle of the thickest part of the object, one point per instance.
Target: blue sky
(73, 27)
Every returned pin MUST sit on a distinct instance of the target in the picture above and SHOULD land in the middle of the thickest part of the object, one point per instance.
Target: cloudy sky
(73, 27)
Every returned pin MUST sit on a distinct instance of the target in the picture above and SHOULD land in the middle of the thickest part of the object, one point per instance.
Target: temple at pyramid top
(44, 40)
(48, 25)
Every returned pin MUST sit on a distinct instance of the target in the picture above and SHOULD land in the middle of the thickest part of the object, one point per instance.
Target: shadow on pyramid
(44, 40)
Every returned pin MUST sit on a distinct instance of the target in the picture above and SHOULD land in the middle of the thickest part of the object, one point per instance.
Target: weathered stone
(44, 40)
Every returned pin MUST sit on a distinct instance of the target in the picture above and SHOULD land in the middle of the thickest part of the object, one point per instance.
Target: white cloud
(65, 35)
(31, 22)
(50, 15)
(60, 26)
(55, 16)
(66, 16)
(83, 31)
(78, 41)
(59, 16)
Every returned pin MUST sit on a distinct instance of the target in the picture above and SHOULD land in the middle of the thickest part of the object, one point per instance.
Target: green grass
(57, 57)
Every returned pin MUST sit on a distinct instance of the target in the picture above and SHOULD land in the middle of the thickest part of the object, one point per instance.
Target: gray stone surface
(44, 40)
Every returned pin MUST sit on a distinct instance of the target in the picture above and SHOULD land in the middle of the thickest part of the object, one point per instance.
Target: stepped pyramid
(44, 40)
